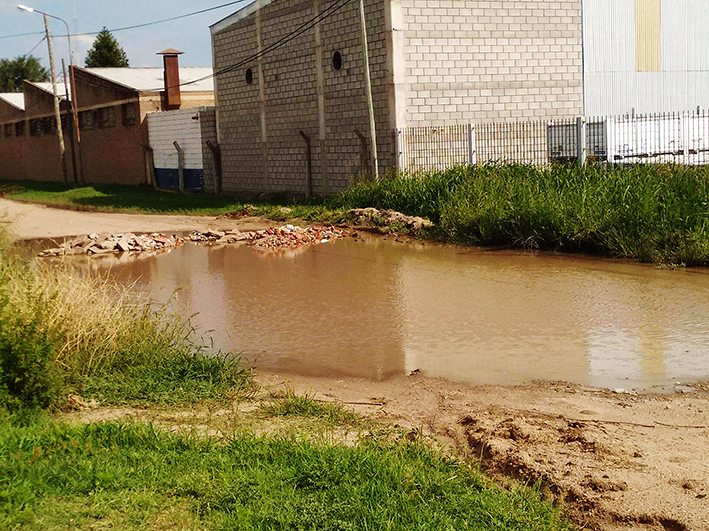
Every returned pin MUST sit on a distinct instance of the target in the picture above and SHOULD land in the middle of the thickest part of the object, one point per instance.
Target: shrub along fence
(679, 138)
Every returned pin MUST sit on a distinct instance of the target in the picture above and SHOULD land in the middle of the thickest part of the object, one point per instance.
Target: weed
(61, 331)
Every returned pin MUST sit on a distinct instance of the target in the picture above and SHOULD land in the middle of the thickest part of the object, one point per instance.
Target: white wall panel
(164, 128)
(612, 85)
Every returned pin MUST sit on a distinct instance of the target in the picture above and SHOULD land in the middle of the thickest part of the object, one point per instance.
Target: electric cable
(326, 13)
(36, 46)
(134, 26)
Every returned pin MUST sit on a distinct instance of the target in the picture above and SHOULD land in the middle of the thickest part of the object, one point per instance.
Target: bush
(28, 375)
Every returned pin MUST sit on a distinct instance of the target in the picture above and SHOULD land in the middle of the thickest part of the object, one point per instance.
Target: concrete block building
(285, 66)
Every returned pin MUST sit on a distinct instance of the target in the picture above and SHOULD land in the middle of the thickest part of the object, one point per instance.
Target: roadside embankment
(653, 213)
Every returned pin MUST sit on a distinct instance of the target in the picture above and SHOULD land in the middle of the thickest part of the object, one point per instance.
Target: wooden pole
(368, 86)
(57, 112)
(73, 144)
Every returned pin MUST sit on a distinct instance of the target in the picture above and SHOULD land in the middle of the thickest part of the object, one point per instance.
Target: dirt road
(618, 460)
(29, 221)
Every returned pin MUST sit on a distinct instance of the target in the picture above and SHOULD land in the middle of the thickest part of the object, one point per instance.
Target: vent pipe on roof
(171, 75)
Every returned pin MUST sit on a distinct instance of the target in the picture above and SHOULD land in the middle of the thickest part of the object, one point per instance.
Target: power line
(327, 12)
(35, 46)
(136, 25)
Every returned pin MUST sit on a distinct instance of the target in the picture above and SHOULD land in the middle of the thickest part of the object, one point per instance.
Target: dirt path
(29, 221)
(620, 461)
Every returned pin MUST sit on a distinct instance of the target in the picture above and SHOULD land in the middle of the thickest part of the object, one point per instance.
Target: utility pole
(74, 103)
(73, 143)
(57, 113)
(368, 86)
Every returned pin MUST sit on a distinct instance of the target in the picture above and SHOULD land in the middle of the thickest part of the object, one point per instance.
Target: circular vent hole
(337, 60)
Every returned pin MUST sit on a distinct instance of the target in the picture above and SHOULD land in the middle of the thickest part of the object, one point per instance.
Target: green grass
(653, 213)
(63, 332)
(134, 476)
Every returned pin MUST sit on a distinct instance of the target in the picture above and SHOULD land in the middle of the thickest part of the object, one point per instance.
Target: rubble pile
(292, 236)
(219, 236)
(288, 236)
(114, 243)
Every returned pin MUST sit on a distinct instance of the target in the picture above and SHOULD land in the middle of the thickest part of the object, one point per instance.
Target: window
(86, 120)
(128, 114)
(249, 76)
(35, 126)
(66, 123)
(20, 129)
(49, 125)
(106, 117)
(8, 130)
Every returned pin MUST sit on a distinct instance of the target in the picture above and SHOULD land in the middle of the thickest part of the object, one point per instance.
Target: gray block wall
(509, 60)
(296, 88)
(208, 126)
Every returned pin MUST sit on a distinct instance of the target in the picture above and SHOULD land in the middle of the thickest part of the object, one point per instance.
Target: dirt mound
(386, 221)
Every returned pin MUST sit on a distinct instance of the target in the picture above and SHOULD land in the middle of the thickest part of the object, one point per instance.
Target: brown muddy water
(375, 308)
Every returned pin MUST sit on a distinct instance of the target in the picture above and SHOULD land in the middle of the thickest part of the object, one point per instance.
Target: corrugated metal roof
(17, 99)
(151, 79)
(61, 89)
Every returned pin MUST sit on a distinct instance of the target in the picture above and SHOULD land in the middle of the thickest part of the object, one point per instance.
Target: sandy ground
(617, 460)
(28, 221)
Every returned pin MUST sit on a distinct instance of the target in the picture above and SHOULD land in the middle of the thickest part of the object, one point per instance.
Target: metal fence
(680, 138)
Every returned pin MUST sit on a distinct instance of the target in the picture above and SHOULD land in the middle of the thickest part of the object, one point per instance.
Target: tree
(106, 52)
(13, 71)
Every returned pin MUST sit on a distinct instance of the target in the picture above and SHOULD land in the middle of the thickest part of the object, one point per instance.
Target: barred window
(49, 125)
(20, 129)
(106, 117)
(8, 130)
(128, 114)
(86, 120)
(35, 126)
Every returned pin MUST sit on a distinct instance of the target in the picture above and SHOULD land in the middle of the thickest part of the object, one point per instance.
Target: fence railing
(681, 138)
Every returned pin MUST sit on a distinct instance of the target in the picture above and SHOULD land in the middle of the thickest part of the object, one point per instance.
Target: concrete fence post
(308, 166)
(216, 150)
(581, 147)
(180, 165)
(363, 156)
(471, 144)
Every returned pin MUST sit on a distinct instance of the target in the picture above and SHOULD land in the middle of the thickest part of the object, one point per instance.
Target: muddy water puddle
(375, 308)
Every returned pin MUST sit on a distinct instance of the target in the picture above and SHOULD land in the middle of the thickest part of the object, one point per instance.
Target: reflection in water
(375, 308)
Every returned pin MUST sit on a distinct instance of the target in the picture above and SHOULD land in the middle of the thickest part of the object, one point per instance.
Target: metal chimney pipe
(171, 77)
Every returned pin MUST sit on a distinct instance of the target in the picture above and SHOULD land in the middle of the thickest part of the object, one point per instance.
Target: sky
(190, 35)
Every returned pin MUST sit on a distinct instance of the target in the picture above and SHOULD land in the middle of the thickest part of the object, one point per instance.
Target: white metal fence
(680, 138)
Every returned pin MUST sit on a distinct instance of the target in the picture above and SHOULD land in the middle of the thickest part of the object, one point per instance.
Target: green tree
(13, 71)
(105, 52)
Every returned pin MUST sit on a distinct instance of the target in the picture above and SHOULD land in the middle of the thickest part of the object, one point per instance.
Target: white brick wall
(472, 60)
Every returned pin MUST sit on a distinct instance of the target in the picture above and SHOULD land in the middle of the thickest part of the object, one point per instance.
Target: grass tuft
(66, 332)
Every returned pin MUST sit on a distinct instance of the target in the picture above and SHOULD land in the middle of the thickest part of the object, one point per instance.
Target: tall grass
(656, 213)
(63, 332)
